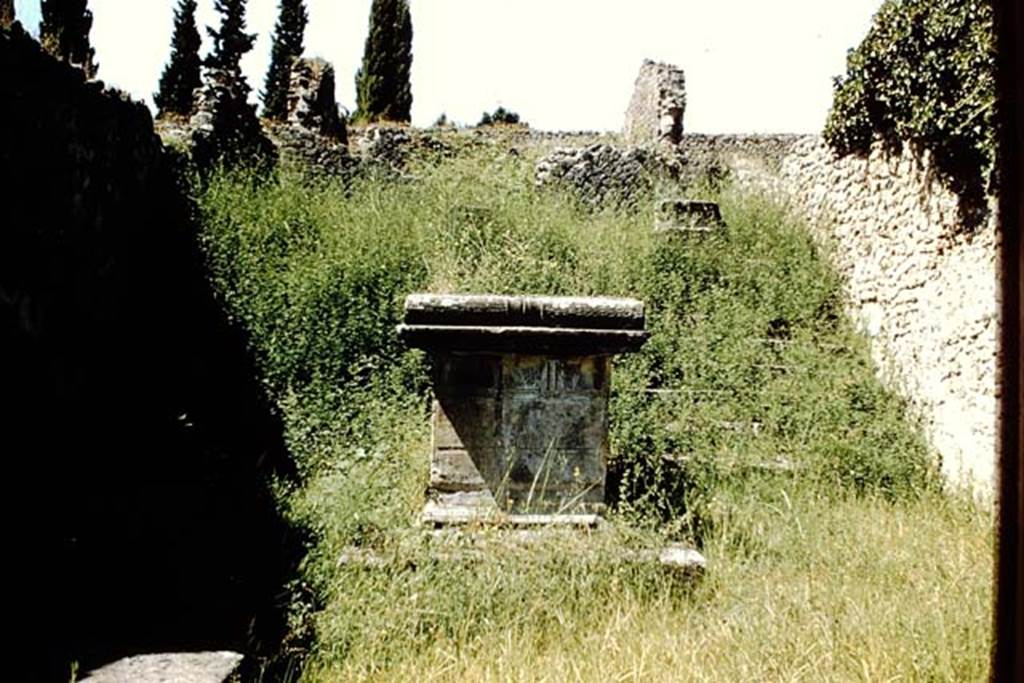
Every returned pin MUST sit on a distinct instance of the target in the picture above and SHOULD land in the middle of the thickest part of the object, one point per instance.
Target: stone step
(478, 543)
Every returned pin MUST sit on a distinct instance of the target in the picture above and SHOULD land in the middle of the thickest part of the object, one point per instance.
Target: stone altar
(520, 417)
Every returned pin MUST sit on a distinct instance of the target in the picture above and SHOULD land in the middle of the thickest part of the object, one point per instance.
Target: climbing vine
(924, 74)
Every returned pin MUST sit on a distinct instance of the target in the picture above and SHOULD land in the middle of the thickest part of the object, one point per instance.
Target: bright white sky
(751, 65)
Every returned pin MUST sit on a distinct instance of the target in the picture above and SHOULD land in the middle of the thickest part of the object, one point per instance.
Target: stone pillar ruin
(520, 418)
(310, 102)
(655, 113)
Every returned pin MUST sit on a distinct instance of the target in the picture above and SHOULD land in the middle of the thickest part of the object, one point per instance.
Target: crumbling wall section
(655, 113)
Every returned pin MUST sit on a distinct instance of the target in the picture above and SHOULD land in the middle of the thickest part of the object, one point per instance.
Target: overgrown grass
(750, 424)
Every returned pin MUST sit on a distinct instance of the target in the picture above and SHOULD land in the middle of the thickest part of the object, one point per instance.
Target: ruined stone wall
(655, 113)
(745, 156)
(137, 437)
(919, 282)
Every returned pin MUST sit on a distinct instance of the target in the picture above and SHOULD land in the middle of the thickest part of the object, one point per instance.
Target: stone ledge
(436, 515)
(463, 546)
(523, 340)
(607, 313)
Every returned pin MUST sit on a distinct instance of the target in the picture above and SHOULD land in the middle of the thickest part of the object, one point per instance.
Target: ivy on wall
(924, 74)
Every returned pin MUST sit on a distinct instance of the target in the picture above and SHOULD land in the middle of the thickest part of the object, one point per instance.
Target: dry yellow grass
(803, 589)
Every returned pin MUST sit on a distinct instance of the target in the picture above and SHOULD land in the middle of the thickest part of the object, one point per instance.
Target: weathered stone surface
(525, 325)
(688, 215)
(444, 508)
(532, 538)
(920, 282)
(525, 311)
(386, 145)
(522, 400)
(681, 558)
(178, 667)
(655, 113)
(599, 174)
(313, 154)
(311, 103)
(709, 159)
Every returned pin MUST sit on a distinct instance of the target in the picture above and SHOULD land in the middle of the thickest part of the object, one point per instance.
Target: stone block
(311, 102)
(179, 667)
(520, 422)
(688, 215)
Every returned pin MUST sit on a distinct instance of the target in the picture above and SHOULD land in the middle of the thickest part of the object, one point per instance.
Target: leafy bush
(499, 116)
(925, 74)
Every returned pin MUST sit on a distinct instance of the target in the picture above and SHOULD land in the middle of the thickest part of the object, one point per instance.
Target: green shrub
(499, 116)
(925, 74)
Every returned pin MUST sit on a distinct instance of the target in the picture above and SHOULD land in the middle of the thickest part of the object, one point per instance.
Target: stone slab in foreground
(169, 667)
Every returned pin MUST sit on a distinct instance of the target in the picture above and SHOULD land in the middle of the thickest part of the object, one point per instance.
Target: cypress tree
(181, 76)
(382, 83)
(231, 134)
(230, 41)
(64, 32)
(288, 38)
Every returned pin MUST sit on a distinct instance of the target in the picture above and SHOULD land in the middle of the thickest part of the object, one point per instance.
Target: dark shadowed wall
(137, 442)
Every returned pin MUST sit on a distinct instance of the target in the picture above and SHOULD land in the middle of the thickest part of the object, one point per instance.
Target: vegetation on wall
(923, 75)
(383, 91)
(182, 75)
(287, 45)
(64, 33)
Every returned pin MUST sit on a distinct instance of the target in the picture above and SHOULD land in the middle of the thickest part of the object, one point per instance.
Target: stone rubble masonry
(919, 284)
(313, 154)
(314, 137)
(655, 113)
(385, 145)
(310, 100)
(598, 173)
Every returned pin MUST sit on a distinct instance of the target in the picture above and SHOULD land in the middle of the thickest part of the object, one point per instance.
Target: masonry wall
(137, 440)
(920, 283)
